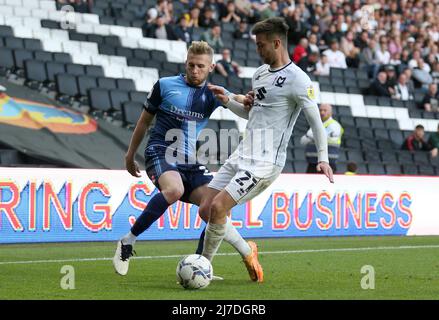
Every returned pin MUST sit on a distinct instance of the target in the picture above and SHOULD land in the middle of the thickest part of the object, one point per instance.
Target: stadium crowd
(395, 41)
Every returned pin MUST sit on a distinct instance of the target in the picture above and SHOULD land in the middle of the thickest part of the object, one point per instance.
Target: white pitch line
(231, 254)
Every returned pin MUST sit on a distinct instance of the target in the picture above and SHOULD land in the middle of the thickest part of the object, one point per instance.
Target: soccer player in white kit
(280, 91)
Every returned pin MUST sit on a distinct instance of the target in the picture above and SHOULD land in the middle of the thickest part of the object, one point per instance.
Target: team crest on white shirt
(311, 92)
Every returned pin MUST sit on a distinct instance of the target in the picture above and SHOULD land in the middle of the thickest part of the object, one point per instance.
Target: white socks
(215, 233)
(214, 236)
(235, 239)
(129, 238)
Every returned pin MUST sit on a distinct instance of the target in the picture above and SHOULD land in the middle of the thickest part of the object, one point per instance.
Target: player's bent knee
(173, 194)
(204, 212)
(218, 211)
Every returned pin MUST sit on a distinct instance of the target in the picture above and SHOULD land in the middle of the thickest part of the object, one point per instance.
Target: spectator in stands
(392, 79)
(362, 40)
(416, 142)
(193, 17)
(402, 91)
(297, 29)
(206, 19)
(349, 49)
(213, 38)
(336, 58)
(231, 16)
(322, 66)
(379, 86)
(162, 9)
(309, 63)
(330, 35)
(431, 99)
(435, 73)
(160, 30)
(226, 66)
(313, 43)
(410, 83)
(271, 11)
(242, 31)
(351, 169)
(300, 51)
(334, 132)
(434, 143)
(182, 31)
(382, 54)
(368, 59)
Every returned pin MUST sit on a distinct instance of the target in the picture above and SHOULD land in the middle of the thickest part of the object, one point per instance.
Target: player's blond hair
(200, 47)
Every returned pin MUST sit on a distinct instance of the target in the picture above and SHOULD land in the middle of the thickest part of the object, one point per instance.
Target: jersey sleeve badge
(311, 92)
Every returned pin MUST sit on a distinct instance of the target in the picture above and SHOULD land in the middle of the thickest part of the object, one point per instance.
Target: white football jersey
(280, 95)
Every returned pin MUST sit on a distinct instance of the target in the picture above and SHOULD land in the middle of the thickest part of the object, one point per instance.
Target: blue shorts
(192, 175)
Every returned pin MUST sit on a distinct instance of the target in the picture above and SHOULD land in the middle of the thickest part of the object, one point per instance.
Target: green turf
(399, 274)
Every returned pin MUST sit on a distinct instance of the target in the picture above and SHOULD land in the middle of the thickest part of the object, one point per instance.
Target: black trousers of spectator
(312, 168)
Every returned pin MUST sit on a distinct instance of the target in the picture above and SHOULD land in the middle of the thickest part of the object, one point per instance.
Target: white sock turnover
(214, 236)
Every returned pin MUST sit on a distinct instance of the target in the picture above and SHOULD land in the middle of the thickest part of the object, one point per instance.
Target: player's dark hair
(272, 26)
(420, 126)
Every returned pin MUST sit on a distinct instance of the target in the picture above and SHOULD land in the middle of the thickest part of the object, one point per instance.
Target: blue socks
(154, 210)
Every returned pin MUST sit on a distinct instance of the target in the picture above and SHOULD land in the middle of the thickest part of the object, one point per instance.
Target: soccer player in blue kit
(179, 103)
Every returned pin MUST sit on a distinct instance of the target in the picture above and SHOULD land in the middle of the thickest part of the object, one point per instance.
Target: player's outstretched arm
(230, 100)
(139, 132)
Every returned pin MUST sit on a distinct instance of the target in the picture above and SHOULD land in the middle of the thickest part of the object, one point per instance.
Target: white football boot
(121, 260)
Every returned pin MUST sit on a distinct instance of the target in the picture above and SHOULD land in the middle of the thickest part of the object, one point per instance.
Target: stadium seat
(393, 169)
(397, 103)
(385, 145)
(75, 69)
(118, 97)
(396, 137)
(62, 57)
(405, 157)
(85, 83)
(377, 123)
(376, 168)
(20, 55)
(35, 73)
(381, 134)
(54, 68)
(99, 99)
(352, 143)
(125, 84)
(67, 87)
(422, 158)
(33, 44)
(6, 61)
(410, 169)
(355, 155)
(13, 43)
(391, 124)
(95, 71)
(6, 31)
(139, 96)
(361, 122)
(372, 157)
(347, 121)
(131, 112)
(288, 168)
(43, 56)
(300, 166)
(426, 170)
(107, 83)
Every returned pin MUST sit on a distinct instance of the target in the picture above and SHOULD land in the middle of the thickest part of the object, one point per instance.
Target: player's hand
(248, 100)
(132, 167)
(219, 93)
(326, 169)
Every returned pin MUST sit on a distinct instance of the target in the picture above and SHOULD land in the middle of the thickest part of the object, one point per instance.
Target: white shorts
(243, 183)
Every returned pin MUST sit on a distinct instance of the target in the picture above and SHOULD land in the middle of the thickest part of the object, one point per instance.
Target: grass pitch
(295, 268)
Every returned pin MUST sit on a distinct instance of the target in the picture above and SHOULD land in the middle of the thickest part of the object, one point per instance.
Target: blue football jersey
(178, 105)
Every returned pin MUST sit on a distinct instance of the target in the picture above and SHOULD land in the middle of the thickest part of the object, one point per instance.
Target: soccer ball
(194, 272)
